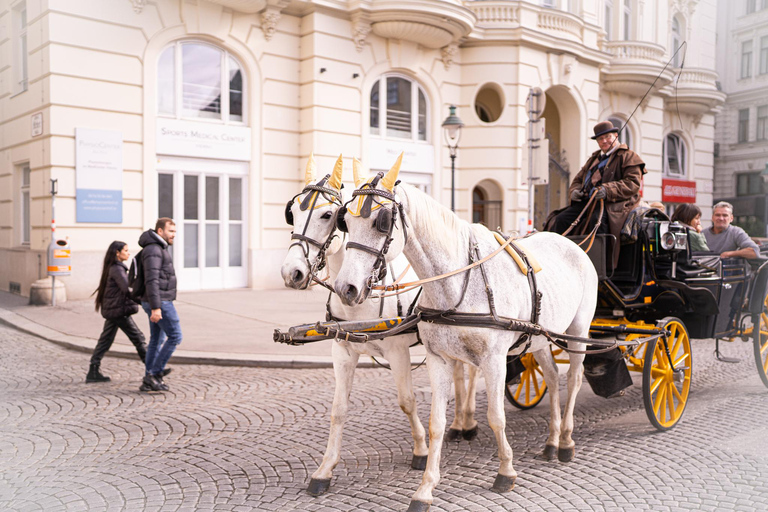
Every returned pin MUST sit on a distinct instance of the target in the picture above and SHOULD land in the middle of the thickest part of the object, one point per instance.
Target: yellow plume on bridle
(311, 171)
(389, 179)
(357, 166)
(338, 170)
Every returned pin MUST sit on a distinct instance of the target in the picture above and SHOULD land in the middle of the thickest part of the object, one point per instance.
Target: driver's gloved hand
(600, 193)
(577, 195)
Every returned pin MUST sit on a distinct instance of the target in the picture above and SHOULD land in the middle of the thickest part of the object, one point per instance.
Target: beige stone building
(741, 161)
(205, 111)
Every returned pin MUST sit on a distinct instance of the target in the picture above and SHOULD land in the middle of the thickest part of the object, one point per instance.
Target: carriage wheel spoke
(658, 389)
(671, 400)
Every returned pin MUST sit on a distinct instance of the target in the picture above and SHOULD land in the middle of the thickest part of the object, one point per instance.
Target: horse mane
(433, 218)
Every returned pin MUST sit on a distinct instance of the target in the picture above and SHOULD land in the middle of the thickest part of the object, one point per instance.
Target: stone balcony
(696, 93)
(634, 66)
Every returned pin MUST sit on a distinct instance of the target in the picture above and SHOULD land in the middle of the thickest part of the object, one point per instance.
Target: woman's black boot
(94, 375)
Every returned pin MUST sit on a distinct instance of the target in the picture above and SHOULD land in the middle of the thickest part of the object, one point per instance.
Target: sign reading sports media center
(99, 175)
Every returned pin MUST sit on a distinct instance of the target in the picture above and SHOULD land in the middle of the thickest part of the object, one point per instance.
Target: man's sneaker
(166, 372)
(152, 383)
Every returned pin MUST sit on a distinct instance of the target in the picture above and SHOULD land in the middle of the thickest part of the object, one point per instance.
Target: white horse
(313, 226)
(435, 242)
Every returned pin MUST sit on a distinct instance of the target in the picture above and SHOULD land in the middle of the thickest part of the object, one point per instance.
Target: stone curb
(86, 345)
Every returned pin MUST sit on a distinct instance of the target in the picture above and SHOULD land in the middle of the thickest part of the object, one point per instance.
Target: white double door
(209, 207)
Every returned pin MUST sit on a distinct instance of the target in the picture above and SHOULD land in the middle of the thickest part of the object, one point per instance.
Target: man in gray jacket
(726, 240)
(157, 301)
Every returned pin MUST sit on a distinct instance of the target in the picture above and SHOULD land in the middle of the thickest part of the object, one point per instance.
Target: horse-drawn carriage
(659, 283)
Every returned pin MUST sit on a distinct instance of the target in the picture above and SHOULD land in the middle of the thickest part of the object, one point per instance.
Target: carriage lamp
(452, 131)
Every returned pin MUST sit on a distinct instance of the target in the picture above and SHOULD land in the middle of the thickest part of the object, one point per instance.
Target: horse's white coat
(395, 349)
(438, 242)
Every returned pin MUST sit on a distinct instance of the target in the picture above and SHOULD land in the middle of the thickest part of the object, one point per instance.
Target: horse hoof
(470, 434)
(318, 486)
(453, 434)
(566, 454)
(419, 462)
(503, 483)
(549, 453)
(418, 506)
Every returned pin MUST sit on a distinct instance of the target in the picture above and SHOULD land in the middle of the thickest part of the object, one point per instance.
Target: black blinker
(384, 221)
(289, 213)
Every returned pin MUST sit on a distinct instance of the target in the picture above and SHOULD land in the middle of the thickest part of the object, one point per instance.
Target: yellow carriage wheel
(760, 337)
(527, 392)
(665, 391)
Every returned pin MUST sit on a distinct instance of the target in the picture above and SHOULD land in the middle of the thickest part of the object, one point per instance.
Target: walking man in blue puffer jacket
(157, 301)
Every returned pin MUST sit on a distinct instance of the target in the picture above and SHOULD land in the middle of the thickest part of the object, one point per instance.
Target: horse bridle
(302, 240)
(385, 224)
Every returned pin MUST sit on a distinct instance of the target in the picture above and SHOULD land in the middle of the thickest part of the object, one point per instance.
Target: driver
(613, 173)
(727, 240)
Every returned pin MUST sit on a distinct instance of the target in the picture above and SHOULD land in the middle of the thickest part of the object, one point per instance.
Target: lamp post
(452, 131)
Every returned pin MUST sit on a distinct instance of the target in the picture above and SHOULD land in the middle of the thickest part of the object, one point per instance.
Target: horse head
(374, 222)
(312, 214)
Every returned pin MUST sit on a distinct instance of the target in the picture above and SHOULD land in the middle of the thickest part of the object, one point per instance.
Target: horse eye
(326, 215)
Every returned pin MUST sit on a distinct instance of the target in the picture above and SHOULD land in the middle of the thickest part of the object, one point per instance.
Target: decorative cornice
(138, 5)
(448, 52)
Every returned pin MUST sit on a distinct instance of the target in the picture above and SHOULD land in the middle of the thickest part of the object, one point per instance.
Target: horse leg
(440, 372)
(494, 371)
(552, 378)
(400, 362)
(344, 364)
(469, 432)
(567, 448)
(457, 426)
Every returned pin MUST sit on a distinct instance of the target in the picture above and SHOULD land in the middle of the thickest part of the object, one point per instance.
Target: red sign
(678, 191)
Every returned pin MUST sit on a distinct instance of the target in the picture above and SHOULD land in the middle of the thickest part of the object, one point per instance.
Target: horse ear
(338, 170)
(309, 174)
(389, 179)
(357, 166)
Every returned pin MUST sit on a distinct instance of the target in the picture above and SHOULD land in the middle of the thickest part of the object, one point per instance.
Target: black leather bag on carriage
(607, 373)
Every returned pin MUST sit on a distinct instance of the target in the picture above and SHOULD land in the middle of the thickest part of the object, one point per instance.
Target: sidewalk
(225, 327)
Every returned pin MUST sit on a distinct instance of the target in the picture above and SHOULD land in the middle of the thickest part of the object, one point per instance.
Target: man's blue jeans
(163, 337)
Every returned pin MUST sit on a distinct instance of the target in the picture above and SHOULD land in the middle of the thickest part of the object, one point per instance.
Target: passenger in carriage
(614, 173)
(689, 215)
(727, 240)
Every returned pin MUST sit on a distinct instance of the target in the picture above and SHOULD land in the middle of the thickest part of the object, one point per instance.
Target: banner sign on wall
(99, 175)
(196, 139)
(678, 191)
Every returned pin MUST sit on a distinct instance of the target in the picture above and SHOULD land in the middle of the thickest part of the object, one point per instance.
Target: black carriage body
(653, 280)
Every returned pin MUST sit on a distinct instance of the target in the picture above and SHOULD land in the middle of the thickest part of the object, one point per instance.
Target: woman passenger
(689, 215)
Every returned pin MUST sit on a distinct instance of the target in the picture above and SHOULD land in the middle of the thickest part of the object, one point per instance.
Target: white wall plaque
(417, 158)
(99, 175)
(189, 138)
(37, 124)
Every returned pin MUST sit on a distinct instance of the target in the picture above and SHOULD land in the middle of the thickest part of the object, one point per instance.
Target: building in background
(741, 135)
(206, 110)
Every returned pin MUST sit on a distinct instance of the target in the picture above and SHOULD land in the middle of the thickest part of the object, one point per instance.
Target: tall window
(398, 109)
(743, 125)
(674, 156)
(608, 19)
(749, 184)
(762, 123)
(625, 136)
(676, 41)
(746, 59)
(24, 202)
(189, 83)
(627, 20)
(764, 54)
(750, 6)
(20, 57)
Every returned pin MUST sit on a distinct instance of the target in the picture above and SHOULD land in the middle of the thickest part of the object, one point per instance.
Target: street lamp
(452, 131)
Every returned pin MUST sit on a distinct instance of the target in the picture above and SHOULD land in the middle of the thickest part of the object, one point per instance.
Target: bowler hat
(604, 127)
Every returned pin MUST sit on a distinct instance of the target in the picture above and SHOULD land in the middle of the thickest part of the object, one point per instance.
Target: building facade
(741, 162)
(206, 110)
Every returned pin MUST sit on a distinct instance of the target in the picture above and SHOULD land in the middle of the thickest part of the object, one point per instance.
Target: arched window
(486, 204)
(674, 156)
(625, 136)
(608, 19)
(627, 20)
(190, 75)
(398, 108)
(676, 41)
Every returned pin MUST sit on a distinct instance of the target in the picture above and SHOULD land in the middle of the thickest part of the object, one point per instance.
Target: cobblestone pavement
(247, 439)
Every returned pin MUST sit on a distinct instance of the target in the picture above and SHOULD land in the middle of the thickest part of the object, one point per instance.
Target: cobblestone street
(228, 438)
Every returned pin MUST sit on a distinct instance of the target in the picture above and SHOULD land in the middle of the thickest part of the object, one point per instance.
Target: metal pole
(453, 177)
(53, 236)
(530, 174)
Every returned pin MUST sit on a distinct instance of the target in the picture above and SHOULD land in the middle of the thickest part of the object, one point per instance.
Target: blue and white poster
(99, 175)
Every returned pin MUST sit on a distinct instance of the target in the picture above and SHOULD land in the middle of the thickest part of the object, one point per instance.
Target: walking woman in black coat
(116, 307)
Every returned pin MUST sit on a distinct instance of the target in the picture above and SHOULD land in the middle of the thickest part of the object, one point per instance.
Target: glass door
(209, 213)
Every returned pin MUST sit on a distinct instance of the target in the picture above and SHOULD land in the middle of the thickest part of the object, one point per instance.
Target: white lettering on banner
(190, 138)
(677, 190)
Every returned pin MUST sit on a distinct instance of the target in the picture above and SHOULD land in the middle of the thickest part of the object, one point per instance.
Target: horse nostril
(298, 276)
(351, 294)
